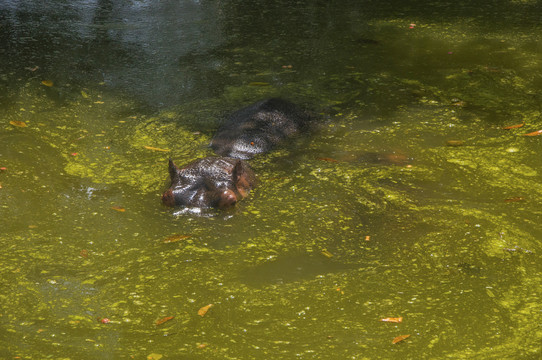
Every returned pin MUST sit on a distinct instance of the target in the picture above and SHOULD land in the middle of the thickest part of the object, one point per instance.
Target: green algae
(445, 249)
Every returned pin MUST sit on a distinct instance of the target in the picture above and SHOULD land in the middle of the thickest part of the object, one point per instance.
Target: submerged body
(211, 182)
(258, 128)
(220, 182)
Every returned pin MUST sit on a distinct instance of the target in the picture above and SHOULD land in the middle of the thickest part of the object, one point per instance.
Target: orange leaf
(47, 83)
(175, 238)
(534, 133)
(513, 126)
(118, 208)
(392, 320)
(18, 123)
(514, 199)
(258, 83)
(455, 143)
(327, 159)
(163, 320)
(155, 148)
(326, 253)
(400, 338)
(203, 310)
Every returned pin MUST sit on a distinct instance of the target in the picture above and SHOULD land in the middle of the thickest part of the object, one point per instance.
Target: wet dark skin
(220, 182)
(258, 128)
(211, 182)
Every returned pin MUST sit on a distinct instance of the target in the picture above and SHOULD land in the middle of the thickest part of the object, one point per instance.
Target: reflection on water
(130, 46)
(373, 215)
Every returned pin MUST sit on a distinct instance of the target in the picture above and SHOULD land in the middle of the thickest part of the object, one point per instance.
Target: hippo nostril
(227, 199)
(168, 199)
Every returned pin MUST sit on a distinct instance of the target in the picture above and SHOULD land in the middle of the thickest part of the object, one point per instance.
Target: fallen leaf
(99, 102)
(154, 356)
(47, 83)
(155, 148)
(326, 253)
(258, 83)
(3, 168)
(368, 238)
(202, 346)
(163, 320)
(203, 310)
(175, 238)
(83, 253)
(514, 199)
(18, 123)
(455, 143)
(534, 133)
(118, 208)
(513, 126)
(392, 319)
(400, 338)
(84, 94)
(327, 159)
(459, 103)
(104, 320)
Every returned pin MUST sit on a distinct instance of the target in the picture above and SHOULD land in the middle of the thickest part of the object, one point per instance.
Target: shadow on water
(291, 268)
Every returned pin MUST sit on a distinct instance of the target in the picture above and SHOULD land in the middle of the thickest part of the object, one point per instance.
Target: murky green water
(408, 200)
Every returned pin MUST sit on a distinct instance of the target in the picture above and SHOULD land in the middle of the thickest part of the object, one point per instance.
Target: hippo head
(212, 182)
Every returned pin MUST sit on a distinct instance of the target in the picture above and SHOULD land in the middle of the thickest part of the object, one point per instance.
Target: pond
(406, 225)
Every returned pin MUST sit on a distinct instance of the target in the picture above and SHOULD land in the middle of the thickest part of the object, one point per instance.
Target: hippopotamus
(258, 128)
(211, 182)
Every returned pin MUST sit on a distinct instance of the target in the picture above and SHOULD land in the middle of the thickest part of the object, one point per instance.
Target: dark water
(410, 199)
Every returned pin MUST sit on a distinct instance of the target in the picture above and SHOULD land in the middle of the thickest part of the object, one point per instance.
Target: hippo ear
(243, 177)
(173, 171)
(238, 170)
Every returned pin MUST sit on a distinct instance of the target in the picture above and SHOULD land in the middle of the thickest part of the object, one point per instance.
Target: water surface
(409, 199)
